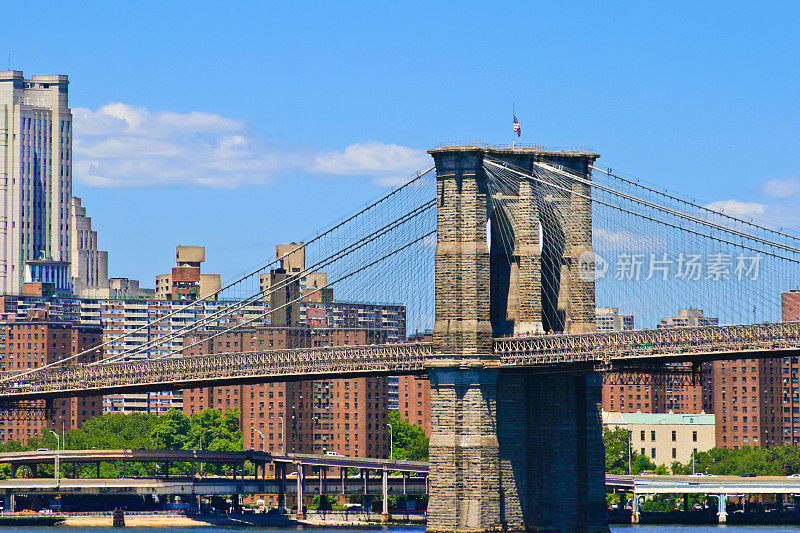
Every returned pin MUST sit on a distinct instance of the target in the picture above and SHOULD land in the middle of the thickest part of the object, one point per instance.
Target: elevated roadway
(205, 456)
(210, 486)
(705, 484)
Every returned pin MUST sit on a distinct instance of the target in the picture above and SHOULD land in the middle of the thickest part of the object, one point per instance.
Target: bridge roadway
(640, 485)
(720, 487)
(205, 456)
(594, 351)
(210, 486)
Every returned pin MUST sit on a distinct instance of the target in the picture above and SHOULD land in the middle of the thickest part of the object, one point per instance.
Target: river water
(401, 529)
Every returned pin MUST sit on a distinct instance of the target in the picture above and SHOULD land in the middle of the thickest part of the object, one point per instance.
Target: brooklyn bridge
(505, 253)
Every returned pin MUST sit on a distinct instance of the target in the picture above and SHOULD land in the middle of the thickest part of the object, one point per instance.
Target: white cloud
(778, 215)
(782, 188)
(125, 146)
(390, 164)
(737, 208)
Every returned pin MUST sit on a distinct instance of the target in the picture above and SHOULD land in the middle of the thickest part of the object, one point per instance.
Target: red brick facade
(347, 416)
(38, 342)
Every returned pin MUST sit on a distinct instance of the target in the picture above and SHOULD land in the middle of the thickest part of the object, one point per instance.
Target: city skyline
(309, 131)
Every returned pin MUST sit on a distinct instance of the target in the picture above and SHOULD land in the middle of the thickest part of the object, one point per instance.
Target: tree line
(209, 429)
(781, 460)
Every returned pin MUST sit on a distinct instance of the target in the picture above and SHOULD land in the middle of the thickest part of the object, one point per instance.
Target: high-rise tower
(35, 181)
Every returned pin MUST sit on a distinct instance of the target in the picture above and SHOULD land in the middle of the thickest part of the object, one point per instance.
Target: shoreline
(255, 520)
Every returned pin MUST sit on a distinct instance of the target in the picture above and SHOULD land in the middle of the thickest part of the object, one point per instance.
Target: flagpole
(513, 114)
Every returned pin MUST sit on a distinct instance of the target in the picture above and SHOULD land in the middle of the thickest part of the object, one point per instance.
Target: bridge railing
(484, 144)
(677, 344)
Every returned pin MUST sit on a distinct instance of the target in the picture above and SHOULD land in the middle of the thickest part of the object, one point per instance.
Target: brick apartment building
(346, 416)
(790, 375)
(756, 401)
(414, 401)
(39, 341)
(745, 396)
(661, 396)
(185, 281)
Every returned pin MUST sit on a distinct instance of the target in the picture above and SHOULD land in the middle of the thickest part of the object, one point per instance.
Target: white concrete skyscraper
(35, 181)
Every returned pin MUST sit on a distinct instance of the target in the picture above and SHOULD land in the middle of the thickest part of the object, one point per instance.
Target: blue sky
(239, 125)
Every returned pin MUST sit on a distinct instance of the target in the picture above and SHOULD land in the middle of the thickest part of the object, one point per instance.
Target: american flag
(517, 128)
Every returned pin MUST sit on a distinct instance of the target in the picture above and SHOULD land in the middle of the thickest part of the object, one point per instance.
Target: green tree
(172, 431)
(616, 444)
(660, 503)
(642, 463)
(408, 440)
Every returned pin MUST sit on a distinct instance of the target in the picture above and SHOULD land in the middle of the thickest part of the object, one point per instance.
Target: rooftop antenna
(9, 61)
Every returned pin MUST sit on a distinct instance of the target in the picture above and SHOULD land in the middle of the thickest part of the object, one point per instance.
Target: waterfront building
(745, 396)
(790, 376)
(346, 416)
(665, 437)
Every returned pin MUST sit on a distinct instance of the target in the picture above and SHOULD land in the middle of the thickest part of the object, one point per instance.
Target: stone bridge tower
(520, 452)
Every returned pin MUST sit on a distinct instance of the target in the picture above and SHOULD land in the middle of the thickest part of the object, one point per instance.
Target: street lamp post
(262, 449)
(283, 433)
(203, 434)
(630, 432)
(58, 458)
(391, 442)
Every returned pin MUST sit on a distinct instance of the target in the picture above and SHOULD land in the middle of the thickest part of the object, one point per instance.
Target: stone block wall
(521, 452)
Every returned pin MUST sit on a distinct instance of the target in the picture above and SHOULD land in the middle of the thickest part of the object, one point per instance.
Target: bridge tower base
(528, 459)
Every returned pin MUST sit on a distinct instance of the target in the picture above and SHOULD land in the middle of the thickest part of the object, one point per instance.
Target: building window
(674, 453)
(674, 438)
(694, 436)
(652, 435)
(653, 453)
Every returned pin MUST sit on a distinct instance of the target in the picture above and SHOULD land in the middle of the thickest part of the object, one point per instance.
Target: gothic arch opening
(504, 273)
(552, 254)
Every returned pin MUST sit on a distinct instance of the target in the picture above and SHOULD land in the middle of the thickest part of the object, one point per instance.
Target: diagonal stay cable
(300, 298)
(692, 204)
(700, 234)
(391, 226)
(240, 279)
(667, 210)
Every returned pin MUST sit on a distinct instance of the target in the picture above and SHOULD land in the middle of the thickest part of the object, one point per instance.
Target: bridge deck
(593, 351)
(220, 369)
(629, 348)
